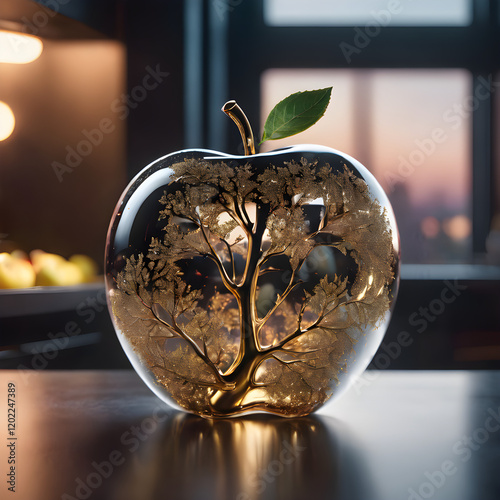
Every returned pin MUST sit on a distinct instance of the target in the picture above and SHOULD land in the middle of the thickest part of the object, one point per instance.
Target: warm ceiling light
(7, 121)
(17, 48)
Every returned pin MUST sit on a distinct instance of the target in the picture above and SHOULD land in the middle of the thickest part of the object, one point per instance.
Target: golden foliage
(197, 342)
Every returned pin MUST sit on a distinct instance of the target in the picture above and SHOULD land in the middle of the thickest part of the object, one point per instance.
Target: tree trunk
(249, 356)
(228, 402)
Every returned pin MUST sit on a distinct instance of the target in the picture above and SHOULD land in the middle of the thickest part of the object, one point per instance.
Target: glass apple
(260, 282)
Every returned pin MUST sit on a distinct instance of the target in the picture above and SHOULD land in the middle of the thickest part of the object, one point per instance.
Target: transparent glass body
(252, 283)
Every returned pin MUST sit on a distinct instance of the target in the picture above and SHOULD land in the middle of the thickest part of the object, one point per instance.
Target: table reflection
(252, 457)
(105, 436)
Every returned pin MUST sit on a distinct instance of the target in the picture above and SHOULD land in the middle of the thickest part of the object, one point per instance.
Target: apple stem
(236, 114)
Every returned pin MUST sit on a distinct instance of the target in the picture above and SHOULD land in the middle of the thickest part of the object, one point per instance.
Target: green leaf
(296, 113)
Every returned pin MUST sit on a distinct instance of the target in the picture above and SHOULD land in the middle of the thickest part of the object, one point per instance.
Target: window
(415, 76)
(411, 129)
(360, 12)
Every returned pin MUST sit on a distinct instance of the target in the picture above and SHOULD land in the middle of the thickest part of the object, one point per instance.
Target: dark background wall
(201, 57)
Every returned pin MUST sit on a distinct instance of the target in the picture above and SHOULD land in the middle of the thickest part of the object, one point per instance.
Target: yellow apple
(86, 264)
(20, 254)
(53, 270)
(15, 272)
(41, 259)
(59, 274)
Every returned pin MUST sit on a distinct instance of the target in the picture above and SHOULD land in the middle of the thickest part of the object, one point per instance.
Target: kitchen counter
(393, 435)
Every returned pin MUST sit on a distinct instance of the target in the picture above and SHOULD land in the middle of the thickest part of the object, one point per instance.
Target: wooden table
(393, 436)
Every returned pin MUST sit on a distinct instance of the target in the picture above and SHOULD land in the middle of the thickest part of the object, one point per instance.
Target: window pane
(412, 129)
(361, 12)
(493, 239)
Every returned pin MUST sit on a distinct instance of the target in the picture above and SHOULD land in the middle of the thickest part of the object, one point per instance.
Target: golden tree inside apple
(267, 274)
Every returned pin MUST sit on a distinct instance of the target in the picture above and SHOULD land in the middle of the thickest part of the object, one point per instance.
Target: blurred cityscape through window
(412, 129)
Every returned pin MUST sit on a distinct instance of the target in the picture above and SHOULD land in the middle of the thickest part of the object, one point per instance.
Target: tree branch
(231, 259)
(216, 385)
(238, 221)
(291, 352)
(230, 285)
(298, 332)
(287, 365)
(228, 282)
(288, 338)
(156, 309)
(279, 301)
(242, 214)
(266, 256)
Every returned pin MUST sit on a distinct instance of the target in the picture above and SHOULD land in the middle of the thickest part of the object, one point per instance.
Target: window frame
(237, 47)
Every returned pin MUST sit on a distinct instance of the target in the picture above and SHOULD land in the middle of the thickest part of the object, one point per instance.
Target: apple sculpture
(261, 282)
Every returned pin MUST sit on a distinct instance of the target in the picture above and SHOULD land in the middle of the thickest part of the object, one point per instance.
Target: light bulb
(17, 48)
(7, 121)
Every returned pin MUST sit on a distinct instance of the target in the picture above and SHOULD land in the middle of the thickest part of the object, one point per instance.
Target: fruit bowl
(17, 302)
